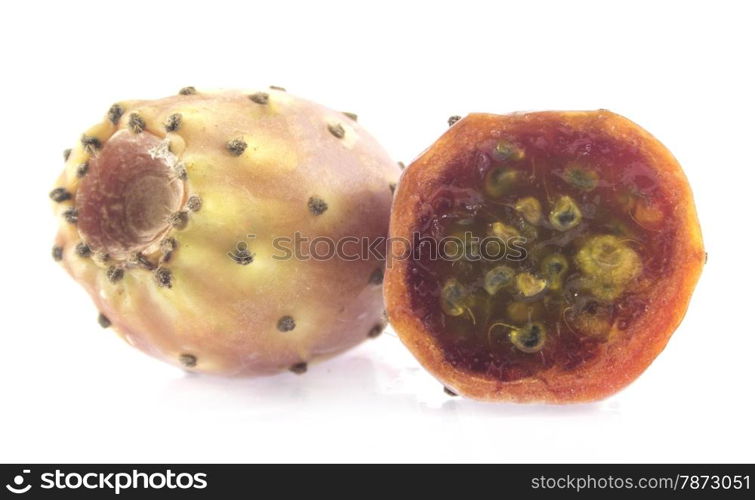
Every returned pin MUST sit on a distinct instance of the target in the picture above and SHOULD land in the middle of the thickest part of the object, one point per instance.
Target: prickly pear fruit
(172, 213)
(577, 251)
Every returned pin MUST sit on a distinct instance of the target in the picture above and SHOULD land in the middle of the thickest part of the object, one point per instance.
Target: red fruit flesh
(470, 341)
(613, 210)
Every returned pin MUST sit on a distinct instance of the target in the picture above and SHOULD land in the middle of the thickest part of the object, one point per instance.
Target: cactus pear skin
(170, 227)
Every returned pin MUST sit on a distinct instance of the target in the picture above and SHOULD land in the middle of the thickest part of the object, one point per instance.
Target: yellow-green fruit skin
(219, 315)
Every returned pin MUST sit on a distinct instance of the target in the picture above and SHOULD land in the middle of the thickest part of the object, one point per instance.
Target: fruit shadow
(480, 408)
(353, 384)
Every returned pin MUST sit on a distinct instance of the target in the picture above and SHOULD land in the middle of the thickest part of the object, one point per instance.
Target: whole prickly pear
(180, 217)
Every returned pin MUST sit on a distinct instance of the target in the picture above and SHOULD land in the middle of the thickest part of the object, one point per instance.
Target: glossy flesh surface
(579, 311)
(593, 227)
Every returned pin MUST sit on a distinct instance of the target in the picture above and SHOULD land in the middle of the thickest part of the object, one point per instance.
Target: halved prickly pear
(589, 250)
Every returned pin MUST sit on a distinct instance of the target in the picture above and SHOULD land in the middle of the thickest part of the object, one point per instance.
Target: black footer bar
(220, 481)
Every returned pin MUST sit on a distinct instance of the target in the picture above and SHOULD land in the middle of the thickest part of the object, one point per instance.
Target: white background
(74, 392)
